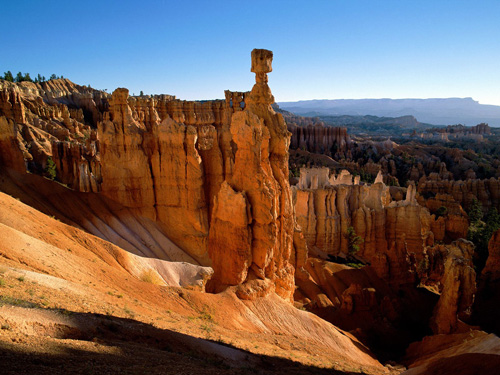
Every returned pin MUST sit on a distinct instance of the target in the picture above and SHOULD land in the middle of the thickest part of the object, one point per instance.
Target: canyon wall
(391, 231)
(395, 234)
(213, 175)
(318, 138)
(464, 192)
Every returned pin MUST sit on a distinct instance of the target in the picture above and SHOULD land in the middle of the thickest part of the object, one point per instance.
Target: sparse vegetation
(355, 265)
(129, 312)
(353, 241)
(152, 277)
(8, 300)
(423, 265)
(441, 211)
(207, 328)
(115, 295)
(482, 226)
(20, 77)
(50, 169)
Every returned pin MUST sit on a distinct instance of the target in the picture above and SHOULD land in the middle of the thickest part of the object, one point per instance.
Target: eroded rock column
(260, 142)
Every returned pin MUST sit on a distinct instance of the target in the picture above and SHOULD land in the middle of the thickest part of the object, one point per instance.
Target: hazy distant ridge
(447, 111)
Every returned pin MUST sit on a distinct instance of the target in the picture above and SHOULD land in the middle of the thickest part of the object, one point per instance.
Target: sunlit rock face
(258, 166)
(213, 175)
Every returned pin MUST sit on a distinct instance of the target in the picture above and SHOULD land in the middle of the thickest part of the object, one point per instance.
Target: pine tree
(8, 76)
(475, 211)
(50, 169)
(353, 241)
(19, 77)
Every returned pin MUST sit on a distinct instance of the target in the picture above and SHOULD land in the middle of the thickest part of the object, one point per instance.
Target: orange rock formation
(166, 160)
(464, 192)
(458, 287)
(492, 268)
(392, 231)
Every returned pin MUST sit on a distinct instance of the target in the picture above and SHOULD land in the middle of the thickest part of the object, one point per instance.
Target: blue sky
(322, 49)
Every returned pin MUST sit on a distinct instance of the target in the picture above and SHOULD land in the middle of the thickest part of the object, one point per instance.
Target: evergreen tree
(27, 78)
(475, 211)
(8, 76)
(141, 93)
(50, 169)
(19, 77)
(353, 241)
(53, 76)
(480, 231)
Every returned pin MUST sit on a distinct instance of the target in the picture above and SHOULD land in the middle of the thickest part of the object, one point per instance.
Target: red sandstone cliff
(392, 232)
(464, 192)
(165, 160)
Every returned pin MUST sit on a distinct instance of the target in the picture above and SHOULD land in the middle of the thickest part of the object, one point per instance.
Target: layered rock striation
(457, 287)
(391, 232)
(213, 175)
(396, 235)
(486, 191)
(319, 138)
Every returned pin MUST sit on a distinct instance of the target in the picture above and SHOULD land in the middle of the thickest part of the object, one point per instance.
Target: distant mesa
(445, 111)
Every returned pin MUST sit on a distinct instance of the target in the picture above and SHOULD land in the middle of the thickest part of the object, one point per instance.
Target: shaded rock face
(492, 268)
(464, 192)
(54, 119)
(166, 160)
(318, 138)
(392, 232)
(357, 300)
(457, 286)
(452, 222)
(487, 303)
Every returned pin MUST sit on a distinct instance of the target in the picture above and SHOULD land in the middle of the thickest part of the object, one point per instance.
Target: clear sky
(331, 49)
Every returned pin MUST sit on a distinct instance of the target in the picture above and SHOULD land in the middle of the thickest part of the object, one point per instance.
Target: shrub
(480, 233)
(152, 277)
(353, 241)
(441, 211)
(50, 169)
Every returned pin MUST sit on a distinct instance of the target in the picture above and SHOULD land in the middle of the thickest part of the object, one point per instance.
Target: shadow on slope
(95, 214)
(98, 344)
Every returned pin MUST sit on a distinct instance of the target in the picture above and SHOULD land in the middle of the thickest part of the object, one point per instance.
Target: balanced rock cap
(262, 60)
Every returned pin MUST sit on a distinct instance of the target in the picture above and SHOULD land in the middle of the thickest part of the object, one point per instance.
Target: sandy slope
(468, 353)
(49, 269)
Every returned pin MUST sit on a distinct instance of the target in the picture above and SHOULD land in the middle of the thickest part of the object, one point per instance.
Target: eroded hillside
(169, 228)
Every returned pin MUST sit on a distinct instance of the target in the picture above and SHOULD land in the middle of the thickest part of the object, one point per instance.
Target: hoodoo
(253, 237)
(210, 176)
